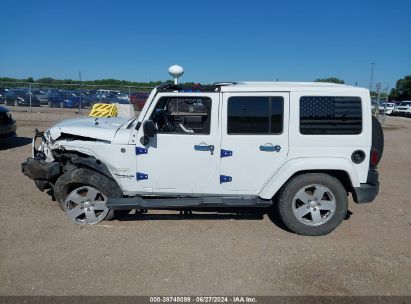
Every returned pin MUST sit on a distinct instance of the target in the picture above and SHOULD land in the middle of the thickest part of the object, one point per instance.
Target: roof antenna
(175, 71)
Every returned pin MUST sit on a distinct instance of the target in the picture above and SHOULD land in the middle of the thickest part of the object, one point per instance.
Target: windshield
(408, 103)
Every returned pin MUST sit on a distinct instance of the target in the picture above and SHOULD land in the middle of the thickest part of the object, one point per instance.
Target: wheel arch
(339, 168)
(72, 160)
(92, 163)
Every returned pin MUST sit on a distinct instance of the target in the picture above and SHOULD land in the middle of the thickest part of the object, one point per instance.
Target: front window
(183, 115)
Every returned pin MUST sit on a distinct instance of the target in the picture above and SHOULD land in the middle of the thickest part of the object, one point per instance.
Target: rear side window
(255, 115)
(330, 115)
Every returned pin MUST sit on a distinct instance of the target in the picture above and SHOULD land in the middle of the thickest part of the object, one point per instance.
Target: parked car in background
(138, 99)
(65, 99)
(108, 98)
(87, 99)
(7, 124)
(41, 95)
(107, 92)
(403, 109)
(387, 108)
(55, 99)
(2, 93)
(123, 96)
(19, 97)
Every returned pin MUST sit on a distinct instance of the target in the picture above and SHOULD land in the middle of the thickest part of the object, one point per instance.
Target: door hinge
(226, 153)
(141, 176)
(225, 179)
(140, 150)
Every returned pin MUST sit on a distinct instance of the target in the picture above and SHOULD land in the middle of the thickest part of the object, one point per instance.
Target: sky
(212, 40)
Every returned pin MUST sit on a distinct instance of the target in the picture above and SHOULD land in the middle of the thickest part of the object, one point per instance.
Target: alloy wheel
(86, 205)
(314, 205)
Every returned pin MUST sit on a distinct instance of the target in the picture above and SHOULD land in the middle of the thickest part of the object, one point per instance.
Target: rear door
(254, 141)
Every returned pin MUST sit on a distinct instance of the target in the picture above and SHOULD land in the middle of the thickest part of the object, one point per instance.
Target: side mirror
(149, 128)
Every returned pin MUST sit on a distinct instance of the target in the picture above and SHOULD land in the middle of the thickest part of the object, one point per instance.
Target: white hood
(98, 128)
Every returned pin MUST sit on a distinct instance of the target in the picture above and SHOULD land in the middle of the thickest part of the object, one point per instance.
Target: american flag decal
(330, 115)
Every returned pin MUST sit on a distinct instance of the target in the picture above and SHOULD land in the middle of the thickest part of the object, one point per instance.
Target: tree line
(402, 90)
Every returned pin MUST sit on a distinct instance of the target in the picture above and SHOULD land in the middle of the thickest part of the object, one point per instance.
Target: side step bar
(128, 203)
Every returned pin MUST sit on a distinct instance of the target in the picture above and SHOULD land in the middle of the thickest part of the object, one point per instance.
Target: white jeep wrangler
(298, 148)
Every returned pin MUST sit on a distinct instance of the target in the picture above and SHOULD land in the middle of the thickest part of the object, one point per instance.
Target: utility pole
(31, 109)
(129, 92)
(79, 77)
(372, 75)
(378, 87)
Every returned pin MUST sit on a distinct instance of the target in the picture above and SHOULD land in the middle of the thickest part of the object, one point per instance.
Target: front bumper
(367, 192)
(401, 113)
(40, 170)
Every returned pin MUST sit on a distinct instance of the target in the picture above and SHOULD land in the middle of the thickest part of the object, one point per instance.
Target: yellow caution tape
(103, 110)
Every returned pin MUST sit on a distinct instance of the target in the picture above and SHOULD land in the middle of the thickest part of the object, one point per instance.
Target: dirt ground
(164, 253)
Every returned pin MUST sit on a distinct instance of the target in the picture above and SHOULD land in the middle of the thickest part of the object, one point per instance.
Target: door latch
(270, 148)
(204, 147)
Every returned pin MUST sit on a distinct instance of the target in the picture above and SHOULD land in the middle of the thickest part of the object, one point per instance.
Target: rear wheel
(313, 204)
(83, 195)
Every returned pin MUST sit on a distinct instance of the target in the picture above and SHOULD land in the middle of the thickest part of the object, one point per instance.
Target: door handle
(270, 148)
(204, 147)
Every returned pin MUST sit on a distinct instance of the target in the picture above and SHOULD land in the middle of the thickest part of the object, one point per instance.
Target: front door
(254, 141)
(182, 158)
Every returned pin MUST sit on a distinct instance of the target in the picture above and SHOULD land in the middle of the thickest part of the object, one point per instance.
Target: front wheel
(313, 204)
(83, 194)
(86, 205)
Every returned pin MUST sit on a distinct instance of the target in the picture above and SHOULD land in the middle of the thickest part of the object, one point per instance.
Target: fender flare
(293, 166)
(93, 164)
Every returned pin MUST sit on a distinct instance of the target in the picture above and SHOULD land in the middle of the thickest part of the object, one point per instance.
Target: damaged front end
(69, 145)
(42, 168)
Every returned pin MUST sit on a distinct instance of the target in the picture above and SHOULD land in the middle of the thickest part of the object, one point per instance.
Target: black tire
(377, 137)
(285, 203)
(72, 179)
